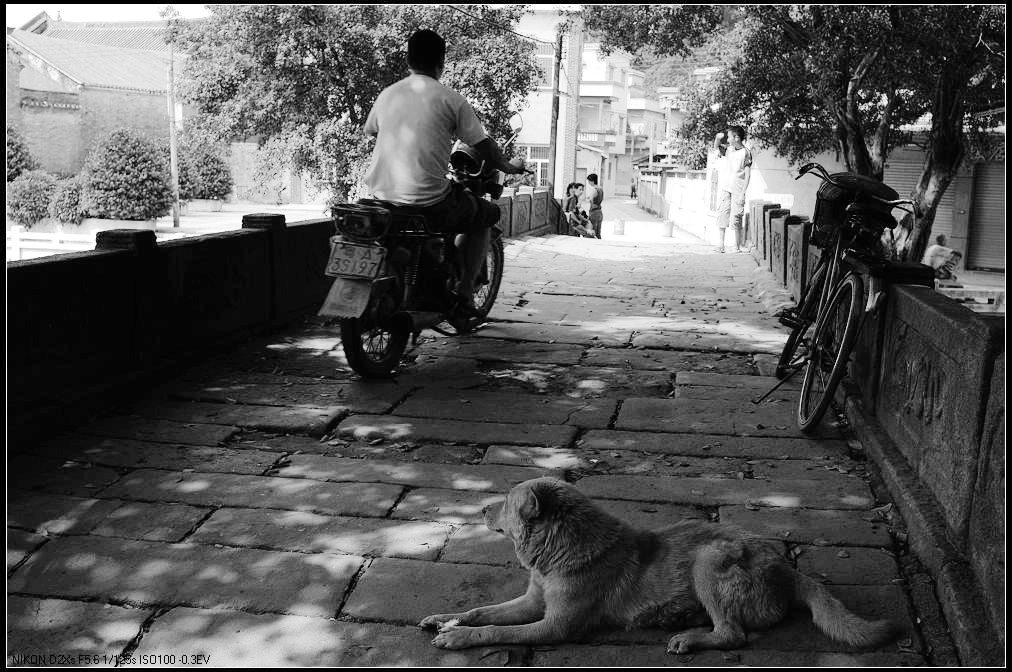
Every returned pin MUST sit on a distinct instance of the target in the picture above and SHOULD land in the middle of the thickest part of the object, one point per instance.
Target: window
(536, 157)
(546, 61)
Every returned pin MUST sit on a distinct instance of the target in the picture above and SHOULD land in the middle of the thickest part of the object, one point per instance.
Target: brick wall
(51, 122)
(103, 111)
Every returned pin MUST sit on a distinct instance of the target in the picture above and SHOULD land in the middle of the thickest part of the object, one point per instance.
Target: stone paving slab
(811, 526)
(133, 454)
(809, 494)
(770, 342)
(483, 350)
(404, 592)
(149, 573)
(846, 565)
(330, 364)
(639, 656)
(264, 492)
(238, 639)
(312, 533)
(445, 506)
(312, 420)
(151, 522)
(398, 428)
(659, 464)
(20, 543)
(586, 333)
(449, 371)
(699, 415)
(643, 359)
(704, 445)
(160, 430)
(57, 476)
(738, 398)
(716, 379)
(65, 633)
(263, 390)
(47, 513)
(505, 407)
(415, 474)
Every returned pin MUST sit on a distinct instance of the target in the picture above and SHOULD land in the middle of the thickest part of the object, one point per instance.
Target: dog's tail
(834, 619)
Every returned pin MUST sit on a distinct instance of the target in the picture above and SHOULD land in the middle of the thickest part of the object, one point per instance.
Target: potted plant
(29, 196)
(125, 180)
(204, 178)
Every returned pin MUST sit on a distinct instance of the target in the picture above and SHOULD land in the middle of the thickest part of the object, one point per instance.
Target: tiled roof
(128, 35)
(98, 65)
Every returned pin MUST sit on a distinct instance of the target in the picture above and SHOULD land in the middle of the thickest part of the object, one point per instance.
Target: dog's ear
(528, 505)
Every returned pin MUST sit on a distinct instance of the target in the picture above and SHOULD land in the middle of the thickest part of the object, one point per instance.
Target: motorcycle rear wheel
(373, 344)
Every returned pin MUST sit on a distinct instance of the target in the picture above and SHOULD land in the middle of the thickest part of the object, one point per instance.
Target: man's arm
(490, 152)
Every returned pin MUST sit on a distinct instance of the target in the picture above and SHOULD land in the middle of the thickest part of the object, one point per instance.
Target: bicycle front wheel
(796, 348)
(830, 348)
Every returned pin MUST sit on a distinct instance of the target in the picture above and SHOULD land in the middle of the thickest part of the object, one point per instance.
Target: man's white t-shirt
(731, 175)
(415, 121)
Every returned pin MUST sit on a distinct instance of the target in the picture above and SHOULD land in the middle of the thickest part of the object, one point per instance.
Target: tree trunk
(945, 154)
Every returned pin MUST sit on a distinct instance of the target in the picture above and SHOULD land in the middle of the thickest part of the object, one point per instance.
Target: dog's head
(538, 515)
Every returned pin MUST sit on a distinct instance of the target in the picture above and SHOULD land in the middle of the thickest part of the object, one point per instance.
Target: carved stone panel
(521, 214)
(937, 360)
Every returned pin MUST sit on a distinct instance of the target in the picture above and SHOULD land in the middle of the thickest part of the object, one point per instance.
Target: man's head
(592, 178)
(426, 51)
(941, 239)
(733, 131)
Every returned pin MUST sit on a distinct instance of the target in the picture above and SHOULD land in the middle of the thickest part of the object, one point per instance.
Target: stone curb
(957, 590)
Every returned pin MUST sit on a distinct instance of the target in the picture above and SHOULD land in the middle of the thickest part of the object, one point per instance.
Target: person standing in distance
(734, 173)
(594, 197)
(414, 121)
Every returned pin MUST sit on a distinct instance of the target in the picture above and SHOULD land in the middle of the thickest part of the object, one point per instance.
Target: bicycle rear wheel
(793, 354)
(831, 345)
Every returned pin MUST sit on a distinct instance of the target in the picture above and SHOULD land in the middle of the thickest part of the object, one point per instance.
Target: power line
(503, 28)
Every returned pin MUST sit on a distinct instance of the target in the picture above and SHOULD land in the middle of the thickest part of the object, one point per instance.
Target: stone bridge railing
(86, 327)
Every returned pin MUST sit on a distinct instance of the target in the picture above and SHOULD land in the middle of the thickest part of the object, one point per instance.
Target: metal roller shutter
(987, 219)
(903, 175)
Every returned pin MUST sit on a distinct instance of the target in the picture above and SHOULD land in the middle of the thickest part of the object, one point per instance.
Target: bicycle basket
(361, 222)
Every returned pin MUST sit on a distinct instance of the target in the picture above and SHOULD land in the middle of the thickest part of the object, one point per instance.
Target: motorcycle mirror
(516, 122)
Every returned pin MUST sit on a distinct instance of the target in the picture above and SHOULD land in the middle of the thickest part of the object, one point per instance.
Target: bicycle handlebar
(825, 176)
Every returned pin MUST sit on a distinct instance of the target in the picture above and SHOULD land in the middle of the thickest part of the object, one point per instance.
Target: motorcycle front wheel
(373, 344)
(486, 289)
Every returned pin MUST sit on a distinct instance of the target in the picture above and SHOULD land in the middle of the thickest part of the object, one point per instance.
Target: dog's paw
(453, 637)
(439, 621)
(681, 643)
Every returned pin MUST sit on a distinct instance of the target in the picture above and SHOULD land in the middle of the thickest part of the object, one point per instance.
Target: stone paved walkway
(266, 507)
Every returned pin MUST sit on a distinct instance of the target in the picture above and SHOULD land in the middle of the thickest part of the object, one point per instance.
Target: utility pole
(173, 162)
(554, 132)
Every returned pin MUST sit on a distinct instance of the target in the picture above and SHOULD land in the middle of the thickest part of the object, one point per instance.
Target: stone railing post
(274, 225)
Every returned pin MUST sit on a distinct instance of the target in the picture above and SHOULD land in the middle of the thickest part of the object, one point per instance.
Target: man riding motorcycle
(414, 121)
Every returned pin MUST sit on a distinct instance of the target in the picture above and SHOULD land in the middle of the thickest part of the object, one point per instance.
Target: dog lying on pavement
(590, 570)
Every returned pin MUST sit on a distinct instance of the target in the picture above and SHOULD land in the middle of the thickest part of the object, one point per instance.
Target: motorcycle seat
(405, 217)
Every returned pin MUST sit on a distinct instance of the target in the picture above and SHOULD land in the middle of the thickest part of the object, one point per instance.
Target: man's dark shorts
(461, 212)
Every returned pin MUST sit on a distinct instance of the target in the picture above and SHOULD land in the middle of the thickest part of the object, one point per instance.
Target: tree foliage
(809, 78)
(302, 78)
(19, 157)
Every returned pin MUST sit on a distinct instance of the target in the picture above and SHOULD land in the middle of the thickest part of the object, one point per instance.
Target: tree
(302, 78)
(817, 77)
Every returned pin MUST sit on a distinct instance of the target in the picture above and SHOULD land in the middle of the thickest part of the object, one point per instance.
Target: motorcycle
(394, 276)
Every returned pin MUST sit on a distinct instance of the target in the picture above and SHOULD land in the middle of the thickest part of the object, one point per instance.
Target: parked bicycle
(851, 213)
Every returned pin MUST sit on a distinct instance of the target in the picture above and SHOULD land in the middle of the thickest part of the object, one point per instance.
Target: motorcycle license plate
(354, 260)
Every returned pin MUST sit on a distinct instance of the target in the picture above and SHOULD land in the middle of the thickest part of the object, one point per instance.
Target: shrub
(29, 196)
(125, 177)
(19, 159)
(66, 203)
(203, 173)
